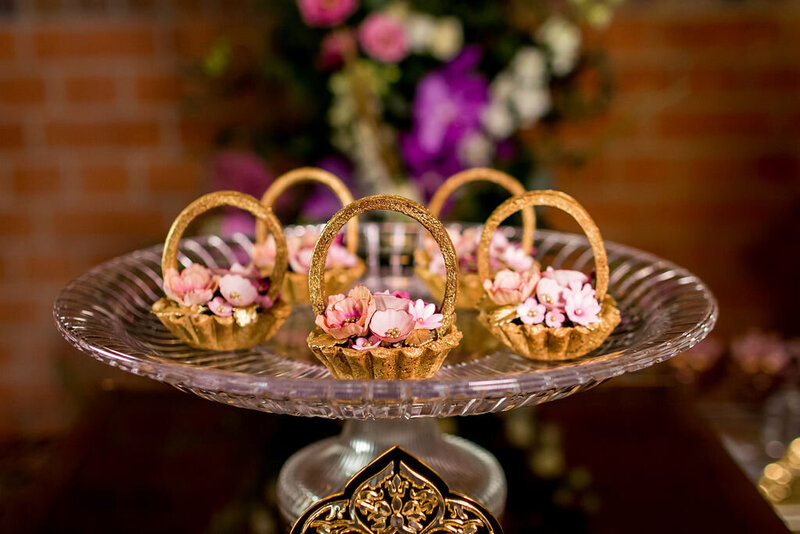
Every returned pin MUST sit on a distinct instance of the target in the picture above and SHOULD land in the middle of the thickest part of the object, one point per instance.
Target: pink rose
(326, 13)
(194, 286)
(391, 325)
(383, 37)
(347, 316)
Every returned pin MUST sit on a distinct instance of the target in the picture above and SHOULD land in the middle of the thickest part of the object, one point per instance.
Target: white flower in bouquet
(531, 104)
(420, 29)
(448, 38)
(564, 40)
(476, 150)
(502, 87)
(529, 66)
(498, 120)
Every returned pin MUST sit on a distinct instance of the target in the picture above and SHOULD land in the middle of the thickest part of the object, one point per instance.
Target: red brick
(632, 79)
(198, 132)
(14, 224)
(174, 177)
(119, 222)
(10, 136)
(194, 38)
(34, 179)
(7, 46)
(104, 178)
(77, 134)
(61, 43)
(158, 88)
(91, 89)
(734, 124)
(49, 267)
(22, 90)
(17, 311)
(720, 32)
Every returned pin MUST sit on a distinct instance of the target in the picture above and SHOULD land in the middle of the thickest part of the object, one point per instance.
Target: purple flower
(321, 204)
(447, 109)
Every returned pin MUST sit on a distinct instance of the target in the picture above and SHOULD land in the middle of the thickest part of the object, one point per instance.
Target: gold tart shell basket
(470, 289)
(383, 363)
(337, 279)
(540, 342)
(240, 330)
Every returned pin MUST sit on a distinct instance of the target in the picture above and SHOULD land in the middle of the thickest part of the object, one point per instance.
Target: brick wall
(697, 160)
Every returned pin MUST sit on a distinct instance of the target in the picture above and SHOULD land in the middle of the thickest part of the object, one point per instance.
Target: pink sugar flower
(264, 253)
(554, 318)
(347, 316)
(581, 307)
(363, 343)
(516, 258)
(387, 301)
(383, 37)
(265, 302)
(300, 260)
(339, 256)
(511, 287)
(195, 285)
(326, 13)
(531, 312)
(238, 290)
(424, 315)
(564, 276)
(219, 306)
(548, 292)
(391, 325)
(248, 271)
(401, 294)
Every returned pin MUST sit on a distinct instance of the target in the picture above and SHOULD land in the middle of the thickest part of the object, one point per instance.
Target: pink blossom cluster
(556, 297)
(502, 253)
(301, 249)
(218, 291)
(365, 320)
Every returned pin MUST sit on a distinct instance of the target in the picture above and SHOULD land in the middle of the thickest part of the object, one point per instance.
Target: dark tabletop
(613, 460)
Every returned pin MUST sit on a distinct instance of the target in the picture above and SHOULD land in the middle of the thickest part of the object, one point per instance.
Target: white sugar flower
(448, 38)
(564, 40)
(502, 87)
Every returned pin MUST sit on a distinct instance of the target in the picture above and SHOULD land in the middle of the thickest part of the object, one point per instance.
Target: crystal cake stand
(106, 313)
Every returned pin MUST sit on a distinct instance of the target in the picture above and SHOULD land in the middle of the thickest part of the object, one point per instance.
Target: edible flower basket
(550, 315)
(222, 309)
(428, 261)
(384, 336)
(343, 266)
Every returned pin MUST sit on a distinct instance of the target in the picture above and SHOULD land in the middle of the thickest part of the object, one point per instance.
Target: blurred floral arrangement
(382, 91)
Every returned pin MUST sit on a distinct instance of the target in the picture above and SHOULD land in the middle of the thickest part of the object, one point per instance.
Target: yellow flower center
(393, 332)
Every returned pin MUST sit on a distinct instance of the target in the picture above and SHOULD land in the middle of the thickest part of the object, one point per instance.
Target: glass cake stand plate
(106, 313)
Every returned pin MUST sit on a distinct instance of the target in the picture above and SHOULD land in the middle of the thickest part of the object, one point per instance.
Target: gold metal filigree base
(381, 363)
(396, 493)
(210, 332)
(540, 342)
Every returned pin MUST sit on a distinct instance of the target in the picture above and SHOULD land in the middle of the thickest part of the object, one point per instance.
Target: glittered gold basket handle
(415, 210)
(555, 199)
(310, 174)
(481, 174)
(169, 258)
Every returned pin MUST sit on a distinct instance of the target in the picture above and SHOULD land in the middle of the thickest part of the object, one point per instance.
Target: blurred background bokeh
(676, 124)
